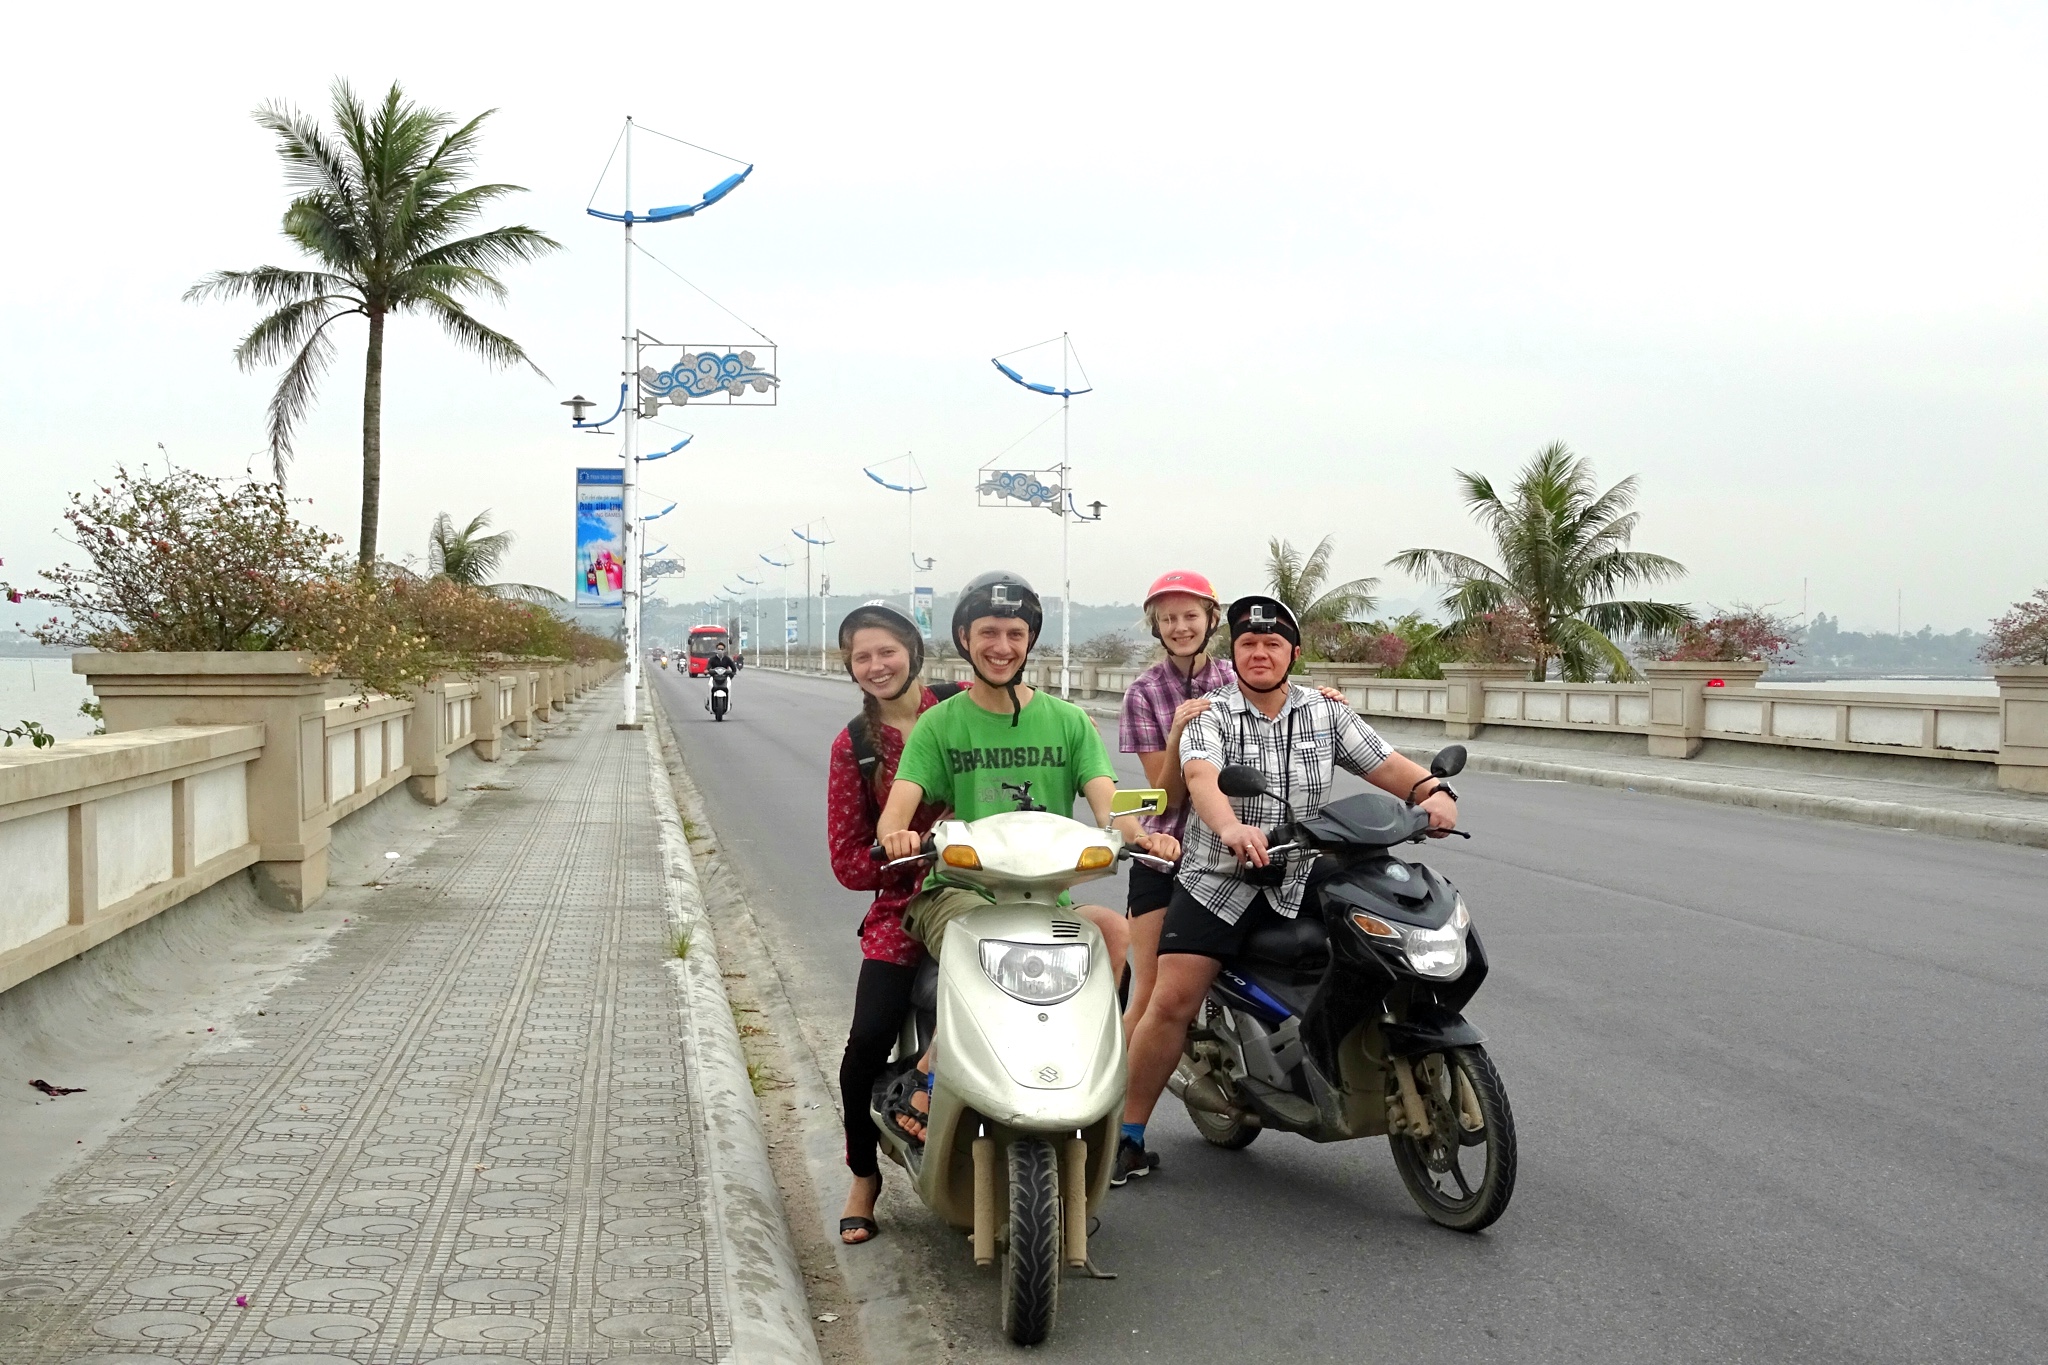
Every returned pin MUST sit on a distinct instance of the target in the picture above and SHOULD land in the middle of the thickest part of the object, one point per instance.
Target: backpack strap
(866, 757)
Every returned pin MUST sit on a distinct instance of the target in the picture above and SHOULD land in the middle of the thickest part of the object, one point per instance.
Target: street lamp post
(783, 564)
(1068, 511)
(824, 580)
(629, 511)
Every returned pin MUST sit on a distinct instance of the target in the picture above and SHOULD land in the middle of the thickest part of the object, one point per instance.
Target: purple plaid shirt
(1149, 704)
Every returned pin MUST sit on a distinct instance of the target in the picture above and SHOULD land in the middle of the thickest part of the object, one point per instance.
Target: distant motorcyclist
(720, 666)
(1223, 891)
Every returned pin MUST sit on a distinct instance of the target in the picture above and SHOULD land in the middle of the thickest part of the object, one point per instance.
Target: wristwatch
(1445, 788)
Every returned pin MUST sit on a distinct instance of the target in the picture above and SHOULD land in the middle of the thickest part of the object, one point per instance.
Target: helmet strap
(1010, 686)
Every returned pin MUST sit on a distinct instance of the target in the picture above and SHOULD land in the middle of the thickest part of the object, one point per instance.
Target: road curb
(764, 1289)
(2004, 829)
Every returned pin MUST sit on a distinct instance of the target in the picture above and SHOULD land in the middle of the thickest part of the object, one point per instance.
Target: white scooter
(1029, 1072)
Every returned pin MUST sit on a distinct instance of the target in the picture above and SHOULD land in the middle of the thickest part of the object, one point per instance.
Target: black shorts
(1151, 889)
(1192, 927)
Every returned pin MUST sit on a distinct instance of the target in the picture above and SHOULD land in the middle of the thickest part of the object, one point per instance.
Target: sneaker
(1131, 1161)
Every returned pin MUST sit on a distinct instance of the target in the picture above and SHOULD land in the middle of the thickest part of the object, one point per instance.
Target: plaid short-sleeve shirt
(1299, 751)
(1147, 718)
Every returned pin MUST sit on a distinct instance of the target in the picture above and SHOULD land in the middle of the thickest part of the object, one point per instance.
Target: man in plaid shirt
(1227, 885)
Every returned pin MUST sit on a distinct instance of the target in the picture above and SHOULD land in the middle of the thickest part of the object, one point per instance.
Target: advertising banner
(789, 627)
(923, 599)
(600, 538)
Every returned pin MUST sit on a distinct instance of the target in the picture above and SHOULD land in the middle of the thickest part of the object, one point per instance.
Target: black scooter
(1346, 1021)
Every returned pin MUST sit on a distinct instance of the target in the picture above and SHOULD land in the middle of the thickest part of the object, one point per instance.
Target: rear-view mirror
(1449, 761)
(1138, 801)
(1240, 780)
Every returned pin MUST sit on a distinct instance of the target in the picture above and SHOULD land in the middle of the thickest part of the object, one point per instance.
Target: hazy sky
(1783, 262)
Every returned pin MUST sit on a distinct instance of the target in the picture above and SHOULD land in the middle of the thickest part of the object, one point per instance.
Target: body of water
(46, 691)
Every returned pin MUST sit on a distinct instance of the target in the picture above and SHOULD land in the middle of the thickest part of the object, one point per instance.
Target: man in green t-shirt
(982, 750)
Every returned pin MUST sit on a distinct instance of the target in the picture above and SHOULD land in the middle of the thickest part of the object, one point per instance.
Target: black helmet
(998, 594)
(879, 613)
(1259, 615)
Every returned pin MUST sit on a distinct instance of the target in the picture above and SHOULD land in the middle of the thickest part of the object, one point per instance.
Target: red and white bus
(704, 642)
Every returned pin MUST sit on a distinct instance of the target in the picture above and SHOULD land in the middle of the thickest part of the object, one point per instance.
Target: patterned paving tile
(464, 1136)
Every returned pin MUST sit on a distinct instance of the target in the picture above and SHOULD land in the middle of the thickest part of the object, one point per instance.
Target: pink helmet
(1183, 580)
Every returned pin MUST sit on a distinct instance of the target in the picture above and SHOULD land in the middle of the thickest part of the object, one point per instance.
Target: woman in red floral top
(884, 652)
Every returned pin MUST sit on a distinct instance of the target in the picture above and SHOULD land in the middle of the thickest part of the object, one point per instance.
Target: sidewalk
(495, 1117)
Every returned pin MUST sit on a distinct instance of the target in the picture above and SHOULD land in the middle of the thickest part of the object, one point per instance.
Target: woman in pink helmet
(1181, 610)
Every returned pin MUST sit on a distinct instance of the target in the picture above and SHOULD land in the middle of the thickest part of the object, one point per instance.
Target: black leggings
(880, 1001)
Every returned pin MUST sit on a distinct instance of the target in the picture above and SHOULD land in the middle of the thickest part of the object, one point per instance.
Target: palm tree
(470, 557)
(1324, 612)
(379, 204)
(1563, 550)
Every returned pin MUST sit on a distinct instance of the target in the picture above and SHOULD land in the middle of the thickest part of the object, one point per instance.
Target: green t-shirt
(962, 755)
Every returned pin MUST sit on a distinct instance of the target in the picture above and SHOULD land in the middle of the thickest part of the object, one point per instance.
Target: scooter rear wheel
(1031, 1265)
(1440, 1170)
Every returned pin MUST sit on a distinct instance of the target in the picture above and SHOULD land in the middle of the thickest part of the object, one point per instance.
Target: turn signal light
(961, 855)
(1378, 928)
(1094, 856)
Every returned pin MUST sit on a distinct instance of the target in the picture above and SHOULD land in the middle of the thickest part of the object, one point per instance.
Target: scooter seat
(1299, 942)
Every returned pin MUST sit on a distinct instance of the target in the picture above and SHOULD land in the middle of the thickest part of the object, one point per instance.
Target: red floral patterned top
(850, 833)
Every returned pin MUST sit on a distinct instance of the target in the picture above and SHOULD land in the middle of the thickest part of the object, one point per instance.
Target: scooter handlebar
(877, 854)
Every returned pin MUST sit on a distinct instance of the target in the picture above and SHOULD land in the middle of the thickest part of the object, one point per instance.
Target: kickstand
(1092, 1271)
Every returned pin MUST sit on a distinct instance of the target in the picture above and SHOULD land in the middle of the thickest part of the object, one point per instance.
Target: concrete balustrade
(1676, 708)
(218, 762)
(99, 834)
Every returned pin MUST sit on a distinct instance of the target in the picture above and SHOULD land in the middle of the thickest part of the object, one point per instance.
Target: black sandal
(896, 1105)
(866, 1225)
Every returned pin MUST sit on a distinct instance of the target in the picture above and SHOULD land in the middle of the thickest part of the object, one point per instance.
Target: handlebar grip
(876, 854)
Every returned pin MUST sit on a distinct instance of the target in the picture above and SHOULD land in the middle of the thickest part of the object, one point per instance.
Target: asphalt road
(1778, 1085)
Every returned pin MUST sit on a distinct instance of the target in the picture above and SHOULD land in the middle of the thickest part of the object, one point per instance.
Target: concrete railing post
(1465, 684)
(288, 806)
(484, 717)
(522, 703)
(425, 739)
(2023, 727)
(1678, 700)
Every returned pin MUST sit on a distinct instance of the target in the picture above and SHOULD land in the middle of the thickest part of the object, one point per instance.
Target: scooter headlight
(1036, 973)
(1439, 953)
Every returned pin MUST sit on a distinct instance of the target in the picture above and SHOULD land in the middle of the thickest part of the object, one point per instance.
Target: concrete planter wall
(215, 762)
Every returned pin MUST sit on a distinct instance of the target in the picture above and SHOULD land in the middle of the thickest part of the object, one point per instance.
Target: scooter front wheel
(1461, 1176)
(1031, 1266)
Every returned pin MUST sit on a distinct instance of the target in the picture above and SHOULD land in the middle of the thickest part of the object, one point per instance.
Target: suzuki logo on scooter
(1049, 1074)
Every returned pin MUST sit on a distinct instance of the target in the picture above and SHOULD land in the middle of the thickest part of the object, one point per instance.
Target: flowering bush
(1505, 635)
(187, 562)
(1738, 634)
(2021, 635)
